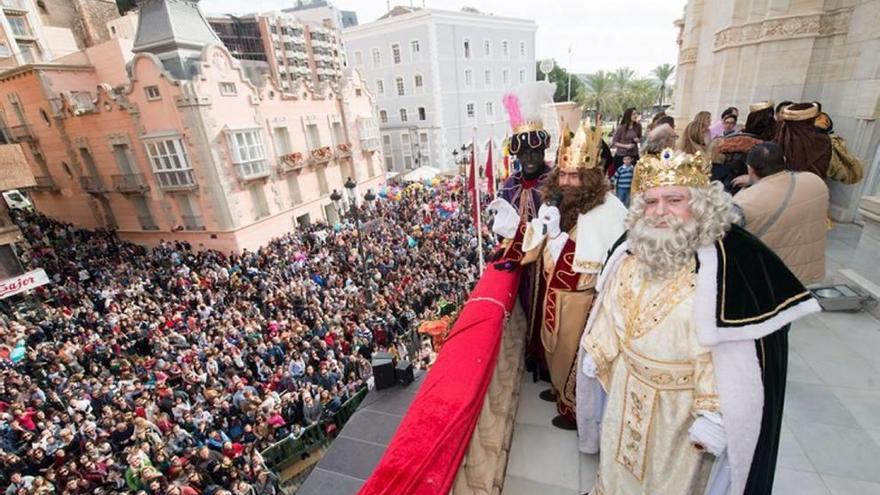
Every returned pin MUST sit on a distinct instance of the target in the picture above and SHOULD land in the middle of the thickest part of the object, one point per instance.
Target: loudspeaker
(383, 371)
(404, 372)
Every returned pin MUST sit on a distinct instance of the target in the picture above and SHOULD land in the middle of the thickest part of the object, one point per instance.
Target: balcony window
(248, 154)
(395, 53)
(170, 164)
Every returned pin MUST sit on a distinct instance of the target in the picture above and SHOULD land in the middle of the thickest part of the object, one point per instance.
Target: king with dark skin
(532, 161)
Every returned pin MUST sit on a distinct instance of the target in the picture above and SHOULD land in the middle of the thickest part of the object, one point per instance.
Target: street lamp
(350, 186)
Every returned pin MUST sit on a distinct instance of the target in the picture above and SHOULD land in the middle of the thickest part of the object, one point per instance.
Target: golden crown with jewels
(581, 150)
(670, 168)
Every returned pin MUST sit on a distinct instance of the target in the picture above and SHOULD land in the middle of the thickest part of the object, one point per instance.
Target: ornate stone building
(736, 52)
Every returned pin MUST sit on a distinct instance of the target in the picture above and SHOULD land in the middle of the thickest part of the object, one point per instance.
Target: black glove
(506, 266)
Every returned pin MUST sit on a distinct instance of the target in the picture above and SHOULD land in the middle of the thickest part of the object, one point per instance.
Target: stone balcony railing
(21, 133)
(320, 156)
(291, 162)
(463, 448)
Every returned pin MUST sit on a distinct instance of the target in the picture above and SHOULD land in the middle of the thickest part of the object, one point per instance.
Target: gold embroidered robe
(658, 378)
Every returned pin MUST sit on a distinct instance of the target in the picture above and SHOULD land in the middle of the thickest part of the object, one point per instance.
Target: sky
(602, 34)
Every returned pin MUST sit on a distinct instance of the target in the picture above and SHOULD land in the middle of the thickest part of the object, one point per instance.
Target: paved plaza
(831, 434)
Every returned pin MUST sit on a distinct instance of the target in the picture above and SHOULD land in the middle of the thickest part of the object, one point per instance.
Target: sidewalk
(830, 441)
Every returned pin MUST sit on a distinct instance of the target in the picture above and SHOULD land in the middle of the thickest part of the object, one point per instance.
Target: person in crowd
(728, 153)
(695, 138)
(626, 138)
(660, 138)
(657, 116)
(787, 210)
(806, 148)
(726, 125)
(689, 345)
(571, 236)
(168, 370)
(622, 180)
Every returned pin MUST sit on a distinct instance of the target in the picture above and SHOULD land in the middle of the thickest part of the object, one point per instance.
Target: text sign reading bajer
(23, 282)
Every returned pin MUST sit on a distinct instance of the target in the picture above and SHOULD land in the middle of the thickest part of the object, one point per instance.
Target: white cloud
(603, 34)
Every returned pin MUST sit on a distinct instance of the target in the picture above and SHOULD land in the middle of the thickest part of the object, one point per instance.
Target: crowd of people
(168, 370)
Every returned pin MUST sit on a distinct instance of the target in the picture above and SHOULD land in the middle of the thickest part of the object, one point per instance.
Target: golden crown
(579, 151)
(670, 168)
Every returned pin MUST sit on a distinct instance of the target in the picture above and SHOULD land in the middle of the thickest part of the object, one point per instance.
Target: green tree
(596, 91)
(560, 76)
(662, 73)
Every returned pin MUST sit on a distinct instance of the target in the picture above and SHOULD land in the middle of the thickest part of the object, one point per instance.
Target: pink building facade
(209, 158)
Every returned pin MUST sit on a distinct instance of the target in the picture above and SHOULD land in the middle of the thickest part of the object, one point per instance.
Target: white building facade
(438, 78)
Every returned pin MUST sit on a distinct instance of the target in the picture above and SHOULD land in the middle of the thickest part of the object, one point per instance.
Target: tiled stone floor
(830, 441)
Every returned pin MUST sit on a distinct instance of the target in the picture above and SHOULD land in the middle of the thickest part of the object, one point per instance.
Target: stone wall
(733, 53)
(86, 18)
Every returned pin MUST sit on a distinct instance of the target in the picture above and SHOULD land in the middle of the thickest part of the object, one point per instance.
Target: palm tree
(623, 76)
(641, 93)
(597, 90)
(662, 73)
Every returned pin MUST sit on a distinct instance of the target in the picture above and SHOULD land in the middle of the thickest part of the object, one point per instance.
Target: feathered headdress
(524, 111)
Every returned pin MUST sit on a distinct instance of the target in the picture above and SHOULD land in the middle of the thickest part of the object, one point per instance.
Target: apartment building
(177, 143)
(439, 77)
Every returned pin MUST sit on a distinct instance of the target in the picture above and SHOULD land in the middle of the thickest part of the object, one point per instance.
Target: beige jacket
(798, 235)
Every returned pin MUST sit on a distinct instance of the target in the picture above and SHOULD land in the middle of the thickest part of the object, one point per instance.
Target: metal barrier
(288, 451)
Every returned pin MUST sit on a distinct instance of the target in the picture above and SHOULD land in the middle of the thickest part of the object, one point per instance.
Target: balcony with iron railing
(176, 180)
(21, 133)
(45, 183)
(92, 185)
(193, 222)
(130, 183)
(252, 170)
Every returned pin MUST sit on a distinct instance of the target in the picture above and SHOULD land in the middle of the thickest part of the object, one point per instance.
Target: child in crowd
(622, 180)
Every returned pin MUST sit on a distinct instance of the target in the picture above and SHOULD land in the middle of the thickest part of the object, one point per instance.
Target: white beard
(663, 251)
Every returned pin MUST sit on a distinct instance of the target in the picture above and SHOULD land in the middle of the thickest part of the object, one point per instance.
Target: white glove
(589, 366)
(556, 244)
(506, 218)
(708, 431)
(550, 217)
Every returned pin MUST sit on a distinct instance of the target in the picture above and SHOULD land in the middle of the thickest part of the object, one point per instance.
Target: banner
(24, 282)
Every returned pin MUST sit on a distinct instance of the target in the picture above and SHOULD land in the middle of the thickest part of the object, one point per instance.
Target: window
(120, 152)
(417, 81)
(30, 52)
(281, 136)
(258, 200)
(415, 49)
(467, 49)
(228, 89)
(470, 110)
(338, 133)
(313, 136)
(293, 189)
(358, 59)
(152, 93)
(487, 77)
(422, 113)
(321, 172)
(380, 87)
(424, 149)
(383, 116)
(169, 163)
(4, 50)
(522, 75)
(248, 154)
(487, 48)
(19, 25)
(490, 109)
(377, 57)
(505, 77)
(386, 150)
(401, 90)
(505, 49)
(468, 77)
(403, 115)
(395, 53)
(522, 48)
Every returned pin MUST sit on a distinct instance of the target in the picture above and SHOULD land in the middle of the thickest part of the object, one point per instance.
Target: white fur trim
(705, 310)
(598, 230)
(741, 393)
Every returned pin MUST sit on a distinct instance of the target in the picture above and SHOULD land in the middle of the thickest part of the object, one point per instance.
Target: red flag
(490, 172)
(472, 187)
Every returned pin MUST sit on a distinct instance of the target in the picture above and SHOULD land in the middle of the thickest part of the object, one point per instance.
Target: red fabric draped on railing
(426, 452)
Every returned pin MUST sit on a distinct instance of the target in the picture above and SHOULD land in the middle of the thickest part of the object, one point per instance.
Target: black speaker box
(404, 372)
(383, 371)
